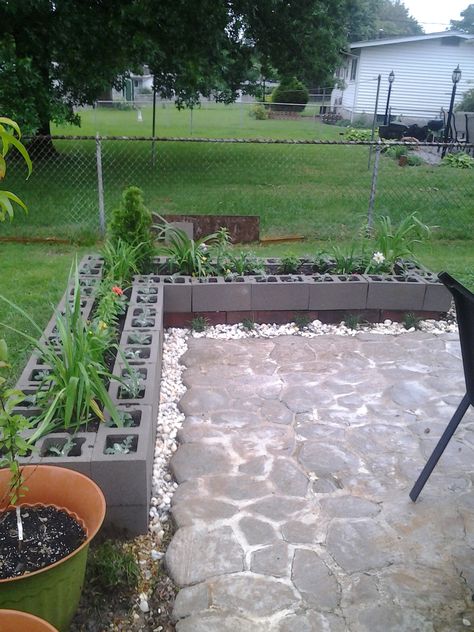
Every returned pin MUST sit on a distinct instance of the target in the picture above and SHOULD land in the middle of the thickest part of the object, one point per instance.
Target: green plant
(139, 338)
(323, 262)
(398, 242)
(199, 324)
(348, 261)
(290, 94)
(397, 151)
(359, 135)
(411, 321)
(467, 102)
(460, 160)
(131, 223)
(189, 256)
(132, 383)
(62, 450)
(113, 567)
(126, 419)
(120, 260)
(289, 264)
(74, 388)
(414, 160)
(352, 321)
(12, 444)
(259, 112)
(244, 262)
(121, 447)
(301, 320)
(248, 324)
(10, 137)
(112, 303)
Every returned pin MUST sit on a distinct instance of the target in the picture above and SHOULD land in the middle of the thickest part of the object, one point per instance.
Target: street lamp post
(391, 79)
(456, 76)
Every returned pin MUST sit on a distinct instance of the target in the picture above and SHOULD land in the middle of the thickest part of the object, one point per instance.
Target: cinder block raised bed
(395, 292)
(332, 292)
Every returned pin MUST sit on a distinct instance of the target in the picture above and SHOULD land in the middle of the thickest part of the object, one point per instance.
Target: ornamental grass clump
(73, 391)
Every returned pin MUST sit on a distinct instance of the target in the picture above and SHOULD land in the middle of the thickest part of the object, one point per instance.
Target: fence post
(373, 188)
(100, 185)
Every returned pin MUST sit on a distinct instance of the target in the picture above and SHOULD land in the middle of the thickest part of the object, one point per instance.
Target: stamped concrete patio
(296, 459)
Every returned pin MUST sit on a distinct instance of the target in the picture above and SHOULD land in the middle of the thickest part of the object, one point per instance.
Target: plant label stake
(19, 525)
(464, 301)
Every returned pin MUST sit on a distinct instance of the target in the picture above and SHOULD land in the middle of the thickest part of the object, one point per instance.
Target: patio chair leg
(440, 447)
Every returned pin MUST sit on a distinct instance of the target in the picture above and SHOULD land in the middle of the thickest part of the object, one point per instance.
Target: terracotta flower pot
(53, 592)
(14, 621)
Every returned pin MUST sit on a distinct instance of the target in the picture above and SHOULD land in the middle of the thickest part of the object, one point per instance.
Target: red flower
(117, 290)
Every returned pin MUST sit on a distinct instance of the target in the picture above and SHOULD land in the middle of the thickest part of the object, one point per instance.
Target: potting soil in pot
(49, 534)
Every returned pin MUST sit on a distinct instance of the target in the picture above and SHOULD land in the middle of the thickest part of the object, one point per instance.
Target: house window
(135, 83)
(354, 68)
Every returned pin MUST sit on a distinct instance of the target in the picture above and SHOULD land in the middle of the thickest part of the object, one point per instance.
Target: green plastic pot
(53, 592)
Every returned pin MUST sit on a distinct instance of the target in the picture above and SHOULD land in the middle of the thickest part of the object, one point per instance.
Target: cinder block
(288, 292)
(332, 292)
(395, 292)
(125, 479)
(133, 519)
(437, 296)
(217, 295)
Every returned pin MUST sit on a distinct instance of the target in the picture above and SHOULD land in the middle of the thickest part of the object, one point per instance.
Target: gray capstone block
(392, 292)
(125, 479)
(217, 295)
(275, 293)
(331, 292)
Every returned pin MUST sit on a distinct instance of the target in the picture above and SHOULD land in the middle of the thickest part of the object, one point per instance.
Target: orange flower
(117, 290)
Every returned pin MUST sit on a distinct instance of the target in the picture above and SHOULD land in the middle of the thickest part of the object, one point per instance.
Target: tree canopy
(466, 24)
(378, 19)
(59, 54)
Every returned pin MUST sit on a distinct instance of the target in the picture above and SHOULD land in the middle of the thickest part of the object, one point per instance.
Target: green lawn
(209, 121)
(34, 277)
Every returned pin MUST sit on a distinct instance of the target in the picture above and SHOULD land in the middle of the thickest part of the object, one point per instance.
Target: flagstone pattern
(296, 459)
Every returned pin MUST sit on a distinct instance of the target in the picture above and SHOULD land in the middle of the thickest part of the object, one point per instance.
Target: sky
(434, 15)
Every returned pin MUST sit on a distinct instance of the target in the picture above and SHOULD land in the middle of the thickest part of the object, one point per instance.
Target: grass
(34, 277)
(209, 121)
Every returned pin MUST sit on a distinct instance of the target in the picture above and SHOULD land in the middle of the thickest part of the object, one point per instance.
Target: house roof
(411, 38)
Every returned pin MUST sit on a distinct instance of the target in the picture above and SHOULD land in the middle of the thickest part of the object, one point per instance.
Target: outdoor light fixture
(391, 79)
(456, 76)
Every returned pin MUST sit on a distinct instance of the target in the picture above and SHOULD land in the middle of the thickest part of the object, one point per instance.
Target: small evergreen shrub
(131, 223)
(291, 95)
(259, 112)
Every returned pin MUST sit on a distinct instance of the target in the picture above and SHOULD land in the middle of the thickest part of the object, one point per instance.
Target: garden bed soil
(49, 535)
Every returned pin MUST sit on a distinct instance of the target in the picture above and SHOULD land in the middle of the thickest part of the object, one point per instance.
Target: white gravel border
(170, 419)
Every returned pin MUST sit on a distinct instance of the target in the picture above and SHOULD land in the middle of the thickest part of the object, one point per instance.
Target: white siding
(422, 83)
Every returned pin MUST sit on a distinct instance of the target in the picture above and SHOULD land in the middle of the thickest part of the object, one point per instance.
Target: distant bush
(259, 112)
(467, 102)
(343, 123)
(413, 160)
(291, 95)
(460, 160)
(360, 122)
(357, 134)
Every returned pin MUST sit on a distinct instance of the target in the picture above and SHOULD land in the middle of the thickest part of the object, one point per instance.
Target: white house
(423, 66)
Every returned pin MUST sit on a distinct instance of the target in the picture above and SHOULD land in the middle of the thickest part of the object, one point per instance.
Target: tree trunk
(41, 145)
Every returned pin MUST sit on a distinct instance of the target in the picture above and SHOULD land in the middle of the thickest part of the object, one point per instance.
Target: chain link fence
(318, 189)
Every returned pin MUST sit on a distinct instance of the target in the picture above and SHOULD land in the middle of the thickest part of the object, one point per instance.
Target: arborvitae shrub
(291, 95)
(131, 222)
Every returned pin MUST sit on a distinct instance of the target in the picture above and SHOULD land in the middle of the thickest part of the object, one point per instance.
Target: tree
(58, 54)
(371, 19)
(394, 20)
(466, 25)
